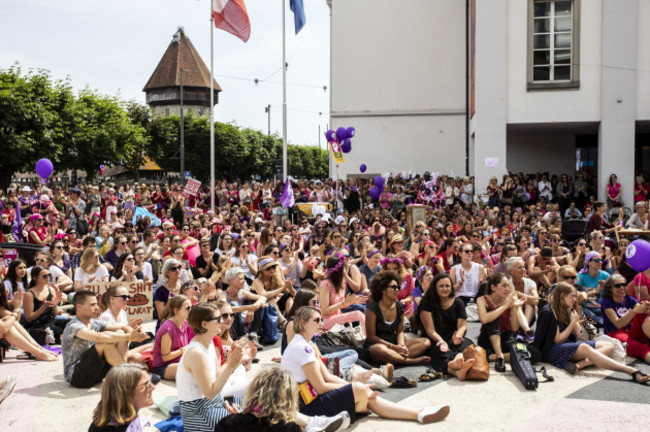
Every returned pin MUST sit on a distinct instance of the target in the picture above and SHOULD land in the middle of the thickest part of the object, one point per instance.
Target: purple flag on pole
(287, 199)
(17, 229)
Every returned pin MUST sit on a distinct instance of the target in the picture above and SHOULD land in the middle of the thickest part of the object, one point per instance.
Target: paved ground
(593, 400)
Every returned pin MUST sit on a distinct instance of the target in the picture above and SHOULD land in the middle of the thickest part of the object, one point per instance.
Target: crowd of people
(230, 281)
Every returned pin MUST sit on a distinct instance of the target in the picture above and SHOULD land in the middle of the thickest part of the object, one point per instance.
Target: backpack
(268, 324)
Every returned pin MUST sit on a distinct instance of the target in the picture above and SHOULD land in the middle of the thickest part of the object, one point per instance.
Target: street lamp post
(182, 134)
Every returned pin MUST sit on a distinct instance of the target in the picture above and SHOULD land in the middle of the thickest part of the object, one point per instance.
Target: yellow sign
(335, 147)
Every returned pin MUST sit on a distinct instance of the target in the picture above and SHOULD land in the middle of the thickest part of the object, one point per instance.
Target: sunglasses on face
(175, 268)
(619, 285)
(130, 259)
(597, 260)
(227, 316)
(45, 276)
(394, 287)
(217, 318)
(571, 277)
(124, 297)
(318, 320)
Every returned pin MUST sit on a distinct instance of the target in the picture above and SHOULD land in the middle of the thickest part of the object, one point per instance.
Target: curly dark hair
(380, 282)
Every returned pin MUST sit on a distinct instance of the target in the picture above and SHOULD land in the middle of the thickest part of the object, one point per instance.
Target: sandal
(25, 356)
(403, 382)
(643, 377)
(430, 375)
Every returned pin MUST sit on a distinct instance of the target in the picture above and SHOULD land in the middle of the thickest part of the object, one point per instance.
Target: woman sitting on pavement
(271, 405)
(270, 283)
(200, 376)
(238, 296)
(126, 390)
(14, 333)
(170, 274)
(172, 337)
(41, 304)
(526, 290)
(557, 327)
(592, 277)
(499, 311)
(333, 298)
(443, 320)
(385, 325)
(333, 394)
(467, 276)
(407, 282)
(626, 319)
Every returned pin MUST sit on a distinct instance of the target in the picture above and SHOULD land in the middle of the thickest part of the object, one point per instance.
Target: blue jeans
(355, 307)
(346, 358)
(594, 314)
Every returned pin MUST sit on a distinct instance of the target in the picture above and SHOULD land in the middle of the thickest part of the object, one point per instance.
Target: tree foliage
(40, 118)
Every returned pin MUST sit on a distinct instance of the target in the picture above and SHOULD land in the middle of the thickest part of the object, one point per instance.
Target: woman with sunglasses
(626, 319)
(200, 377)
(191, 290)
(172, 337)
(385, 325)
(226, 245)
(597, 244)
(593, 278)
(90, 269)
(113, 304)
(171, 286)
(41, 302)
(59, 258)
(333, 394)
(126, 270)
(557, 328)
(38, 234)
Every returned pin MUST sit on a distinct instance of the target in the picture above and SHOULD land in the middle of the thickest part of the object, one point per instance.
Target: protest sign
(140, 304)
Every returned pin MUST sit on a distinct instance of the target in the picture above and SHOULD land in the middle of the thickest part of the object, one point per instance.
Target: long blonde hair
(116, 405)
(273, 395)
(87, 260)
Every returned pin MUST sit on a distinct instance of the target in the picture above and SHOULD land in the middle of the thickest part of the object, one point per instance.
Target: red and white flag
(232, 16)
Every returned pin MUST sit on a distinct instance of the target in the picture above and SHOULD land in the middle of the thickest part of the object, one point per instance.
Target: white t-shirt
(10, 292)
(298, 353)
(147, 271)
(82, 276)
(528, 285)
(236, 261)
(107, 318)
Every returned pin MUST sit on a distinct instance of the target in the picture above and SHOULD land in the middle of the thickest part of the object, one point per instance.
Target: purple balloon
(329, 135)
(638, 255)
(374, 193)
(363, 168)
(346, 146)
(101, 167)
(341, 133)
(44, 168)
(379, 182)
(350, 132)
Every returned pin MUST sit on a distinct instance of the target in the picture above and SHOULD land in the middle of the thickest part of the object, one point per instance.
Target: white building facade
(488, 86)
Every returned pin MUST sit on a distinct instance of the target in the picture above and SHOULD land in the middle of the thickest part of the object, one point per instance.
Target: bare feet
(46, 356)
(423, 360)
(465, 367)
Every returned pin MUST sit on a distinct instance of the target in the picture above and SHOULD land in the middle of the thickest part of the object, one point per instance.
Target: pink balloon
(193, 253)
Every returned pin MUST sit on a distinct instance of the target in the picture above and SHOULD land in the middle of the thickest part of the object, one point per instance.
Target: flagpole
(211, 110)
(285, 172)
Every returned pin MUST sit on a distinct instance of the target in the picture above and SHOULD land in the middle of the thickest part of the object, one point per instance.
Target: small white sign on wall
(491, 162)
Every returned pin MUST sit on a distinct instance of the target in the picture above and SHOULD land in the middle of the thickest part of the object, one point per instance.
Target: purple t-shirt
(180, 338)
(619, 308)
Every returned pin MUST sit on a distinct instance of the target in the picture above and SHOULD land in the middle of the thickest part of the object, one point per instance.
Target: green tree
(31, 127)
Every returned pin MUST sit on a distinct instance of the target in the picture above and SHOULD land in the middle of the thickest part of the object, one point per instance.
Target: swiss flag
(232, 16)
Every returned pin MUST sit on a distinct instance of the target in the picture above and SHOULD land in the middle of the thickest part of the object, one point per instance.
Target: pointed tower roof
(181, 54)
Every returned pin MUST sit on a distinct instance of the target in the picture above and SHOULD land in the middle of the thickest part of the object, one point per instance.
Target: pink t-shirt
(180, 338)
(640, 280)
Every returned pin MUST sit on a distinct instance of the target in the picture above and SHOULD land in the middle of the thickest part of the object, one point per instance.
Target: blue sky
(114, 47)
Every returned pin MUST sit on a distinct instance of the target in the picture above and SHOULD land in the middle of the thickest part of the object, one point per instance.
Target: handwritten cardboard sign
(141, 303)
(192, 186)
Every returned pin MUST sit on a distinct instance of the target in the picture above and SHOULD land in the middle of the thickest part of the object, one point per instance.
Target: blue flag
(298, 9)
(141, 212)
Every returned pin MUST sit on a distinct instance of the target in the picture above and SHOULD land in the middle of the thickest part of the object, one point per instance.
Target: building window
(553, 44)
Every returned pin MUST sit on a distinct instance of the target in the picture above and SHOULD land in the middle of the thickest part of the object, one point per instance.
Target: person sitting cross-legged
(90, 347)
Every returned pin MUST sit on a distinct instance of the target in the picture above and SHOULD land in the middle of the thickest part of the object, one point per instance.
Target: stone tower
(164, 87)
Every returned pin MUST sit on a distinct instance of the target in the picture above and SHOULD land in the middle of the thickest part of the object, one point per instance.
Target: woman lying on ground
(333, 394)
(442, 318)
(557, 327)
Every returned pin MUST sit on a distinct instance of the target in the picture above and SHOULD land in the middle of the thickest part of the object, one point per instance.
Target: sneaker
(9, 386)
(387, 372)
(530, 336)
(328, 424)
(378, 382)
(521, 337)
(433, 414)
(500, 365)
(155, 378)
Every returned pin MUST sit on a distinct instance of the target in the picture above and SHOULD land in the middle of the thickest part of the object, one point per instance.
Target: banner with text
(140, 304)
